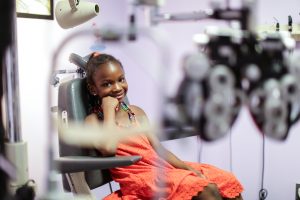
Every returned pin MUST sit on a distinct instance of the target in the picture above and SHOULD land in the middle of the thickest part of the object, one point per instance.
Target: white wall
(38, 39)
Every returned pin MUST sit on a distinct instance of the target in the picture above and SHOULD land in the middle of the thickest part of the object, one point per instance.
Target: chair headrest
(79, 60)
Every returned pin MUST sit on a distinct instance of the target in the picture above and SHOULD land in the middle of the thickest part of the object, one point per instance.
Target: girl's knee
(236, 198)
(211, 191)
(212, 188)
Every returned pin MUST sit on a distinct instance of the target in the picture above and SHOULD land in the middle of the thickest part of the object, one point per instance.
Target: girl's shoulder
(137, 110)
(91, 119)
(140, 114)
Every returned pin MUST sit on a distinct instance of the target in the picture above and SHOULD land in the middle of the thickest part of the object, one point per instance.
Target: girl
(180, 180)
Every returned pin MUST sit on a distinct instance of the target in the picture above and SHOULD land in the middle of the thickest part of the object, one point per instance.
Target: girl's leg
(236, 198)
(210, 192)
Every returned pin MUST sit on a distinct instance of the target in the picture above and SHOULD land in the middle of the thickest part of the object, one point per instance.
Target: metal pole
(7, 10)
(15, 148)
(11, 87)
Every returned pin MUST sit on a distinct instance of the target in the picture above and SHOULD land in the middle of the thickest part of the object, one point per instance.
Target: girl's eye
(106, 84)
(122, 80)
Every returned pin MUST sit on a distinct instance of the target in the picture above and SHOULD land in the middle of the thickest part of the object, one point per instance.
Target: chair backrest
(72, 105)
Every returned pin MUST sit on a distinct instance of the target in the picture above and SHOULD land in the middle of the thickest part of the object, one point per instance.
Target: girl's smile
(109, 80)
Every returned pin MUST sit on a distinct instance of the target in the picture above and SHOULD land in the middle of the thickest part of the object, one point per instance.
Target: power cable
(263, 193)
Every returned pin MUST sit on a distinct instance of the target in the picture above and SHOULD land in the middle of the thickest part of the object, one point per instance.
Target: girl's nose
(117, 87)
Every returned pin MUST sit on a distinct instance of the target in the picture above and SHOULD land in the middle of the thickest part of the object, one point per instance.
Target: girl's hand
(198, 173)
(110, 103)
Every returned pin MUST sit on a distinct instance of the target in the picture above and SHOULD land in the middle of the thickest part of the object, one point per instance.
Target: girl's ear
(92, 89)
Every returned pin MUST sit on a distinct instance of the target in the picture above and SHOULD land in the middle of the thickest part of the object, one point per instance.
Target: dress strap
(99, 112)
(131, 114)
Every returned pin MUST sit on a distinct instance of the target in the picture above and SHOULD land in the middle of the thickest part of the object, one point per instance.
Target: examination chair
(82, 169)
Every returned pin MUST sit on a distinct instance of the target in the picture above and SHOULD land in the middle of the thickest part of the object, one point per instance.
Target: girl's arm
(161, 150)
(170, 157)
(109, 105)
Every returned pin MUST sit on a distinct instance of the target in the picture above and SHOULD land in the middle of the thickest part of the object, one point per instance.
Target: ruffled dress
(154, 178)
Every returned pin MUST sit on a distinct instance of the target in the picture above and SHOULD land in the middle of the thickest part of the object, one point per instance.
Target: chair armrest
(71, 164)
(171, 133)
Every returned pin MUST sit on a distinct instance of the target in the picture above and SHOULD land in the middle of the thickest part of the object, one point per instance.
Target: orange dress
(144, 181)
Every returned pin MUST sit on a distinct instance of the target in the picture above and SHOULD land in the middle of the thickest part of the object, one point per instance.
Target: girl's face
(109, 80)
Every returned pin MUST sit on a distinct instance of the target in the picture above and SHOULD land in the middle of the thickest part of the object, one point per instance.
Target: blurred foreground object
(238, 68)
